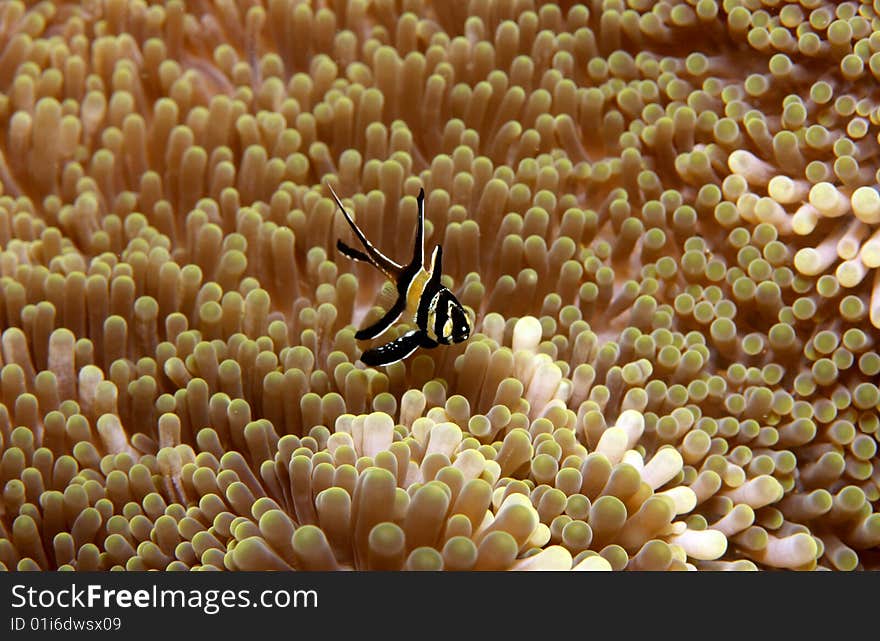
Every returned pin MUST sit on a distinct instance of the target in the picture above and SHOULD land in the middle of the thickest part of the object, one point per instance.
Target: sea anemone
(663, 219)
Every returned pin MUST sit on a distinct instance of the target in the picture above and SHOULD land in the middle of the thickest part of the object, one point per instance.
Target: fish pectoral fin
(396, 350)
(388, 295)
(383, 323)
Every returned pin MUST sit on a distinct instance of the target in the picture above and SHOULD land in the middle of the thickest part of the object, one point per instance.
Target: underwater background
(663, 219)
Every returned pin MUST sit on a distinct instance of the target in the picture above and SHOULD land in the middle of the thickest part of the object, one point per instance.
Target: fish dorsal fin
(436, 266)
(373, 255)
(418, 258)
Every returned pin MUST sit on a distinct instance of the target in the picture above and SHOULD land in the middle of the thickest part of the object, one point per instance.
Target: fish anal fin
(394, 351)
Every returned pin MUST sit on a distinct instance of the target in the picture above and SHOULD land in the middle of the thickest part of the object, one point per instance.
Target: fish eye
(461, 329)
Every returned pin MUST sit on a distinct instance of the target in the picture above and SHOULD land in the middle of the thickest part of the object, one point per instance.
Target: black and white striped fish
(438, 316)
